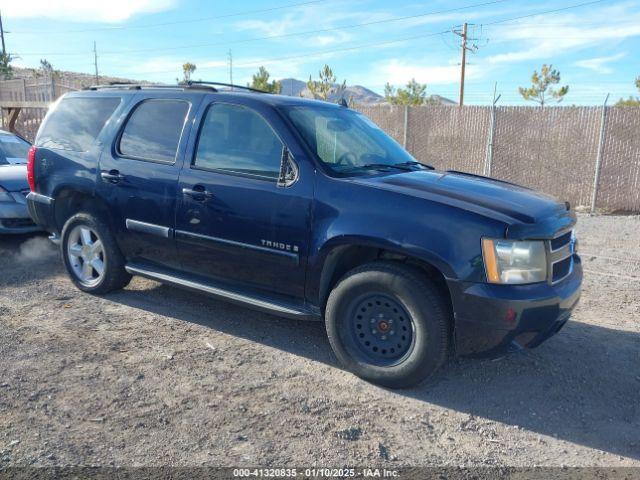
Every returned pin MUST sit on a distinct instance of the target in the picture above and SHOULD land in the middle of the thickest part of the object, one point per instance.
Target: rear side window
(76, 122)
(153, 130)
(237, 139)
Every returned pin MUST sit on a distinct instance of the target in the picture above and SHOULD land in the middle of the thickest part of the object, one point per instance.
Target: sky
(594, 44)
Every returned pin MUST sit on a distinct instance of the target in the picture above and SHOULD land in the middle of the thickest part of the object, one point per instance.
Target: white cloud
(82, 10)
(399, 72)
(599, 64)
(538, 39)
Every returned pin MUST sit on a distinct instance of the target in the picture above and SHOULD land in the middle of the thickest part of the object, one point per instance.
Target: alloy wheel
(86, 255)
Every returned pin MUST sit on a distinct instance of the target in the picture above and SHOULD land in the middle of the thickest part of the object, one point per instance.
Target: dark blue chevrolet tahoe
(303, 209)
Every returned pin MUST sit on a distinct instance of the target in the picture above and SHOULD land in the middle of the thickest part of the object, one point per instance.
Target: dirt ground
(153, 375)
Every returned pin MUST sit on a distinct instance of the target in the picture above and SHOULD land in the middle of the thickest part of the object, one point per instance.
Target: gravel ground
(153, 375)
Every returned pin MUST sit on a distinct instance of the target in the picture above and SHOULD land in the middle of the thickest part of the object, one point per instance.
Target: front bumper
(14, 217)
(491, 319)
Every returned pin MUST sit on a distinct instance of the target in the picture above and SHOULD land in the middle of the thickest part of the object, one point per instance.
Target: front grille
(561, 241)
(17, 223)
(561, 256)
(561, 269)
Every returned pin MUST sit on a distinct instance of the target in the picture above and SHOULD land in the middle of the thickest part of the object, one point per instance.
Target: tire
(93, 267)
(388, 324)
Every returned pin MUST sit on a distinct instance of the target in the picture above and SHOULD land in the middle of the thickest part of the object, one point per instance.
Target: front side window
(237, 139)
(153, 130)
(346, 141)
(76, 122)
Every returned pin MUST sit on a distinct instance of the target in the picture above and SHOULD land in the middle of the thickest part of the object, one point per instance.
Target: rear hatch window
(76, 123)
(13, 150)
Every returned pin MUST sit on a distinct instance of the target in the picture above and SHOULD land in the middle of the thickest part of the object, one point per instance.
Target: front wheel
(91, 255)
(388, 324)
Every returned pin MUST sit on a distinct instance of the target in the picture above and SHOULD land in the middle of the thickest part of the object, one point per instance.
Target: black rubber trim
(150, 228)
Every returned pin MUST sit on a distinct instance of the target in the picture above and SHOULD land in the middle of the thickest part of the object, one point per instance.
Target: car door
(138, 175)
(234, 223)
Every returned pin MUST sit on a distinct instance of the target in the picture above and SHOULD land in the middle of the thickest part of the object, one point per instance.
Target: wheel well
(69, 202)
(344, 259)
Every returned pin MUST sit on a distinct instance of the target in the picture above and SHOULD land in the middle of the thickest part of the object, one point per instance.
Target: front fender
(407, 249)
(349, 214)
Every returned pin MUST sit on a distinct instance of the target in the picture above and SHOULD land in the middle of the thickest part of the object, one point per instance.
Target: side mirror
(288, 169)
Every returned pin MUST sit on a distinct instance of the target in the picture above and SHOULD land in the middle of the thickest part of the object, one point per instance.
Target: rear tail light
(31, 160)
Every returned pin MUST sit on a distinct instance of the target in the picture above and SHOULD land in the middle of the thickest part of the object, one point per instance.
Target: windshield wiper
(416, 164)
(379, 166)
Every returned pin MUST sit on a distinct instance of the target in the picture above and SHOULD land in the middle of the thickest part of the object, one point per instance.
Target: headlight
(514, 262)
(5, 197)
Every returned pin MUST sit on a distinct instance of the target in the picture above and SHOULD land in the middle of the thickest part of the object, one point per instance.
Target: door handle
(197, 193)
(112, 176)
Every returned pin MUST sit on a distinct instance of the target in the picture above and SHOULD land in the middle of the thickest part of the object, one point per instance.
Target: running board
(256, 302)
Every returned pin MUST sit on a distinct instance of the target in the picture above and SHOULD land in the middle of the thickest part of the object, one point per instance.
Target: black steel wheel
(380, 329)
(388, 324)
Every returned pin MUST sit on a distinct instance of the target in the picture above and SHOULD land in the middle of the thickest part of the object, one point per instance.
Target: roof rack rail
(190, 84)
(195, 83)
(129, 86)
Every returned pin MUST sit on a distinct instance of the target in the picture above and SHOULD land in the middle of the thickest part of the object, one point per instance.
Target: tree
(541, 89)
(413, 94)
(6, 70)
(631, 101)
(326, 86)
(46, 69)
(188, 69)
(260, 81)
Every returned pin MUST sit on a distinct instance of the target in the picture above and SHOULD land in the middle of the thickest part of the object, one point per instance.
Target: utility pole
(95, 61)
(230, 68)
(4, 50)
(463, 64)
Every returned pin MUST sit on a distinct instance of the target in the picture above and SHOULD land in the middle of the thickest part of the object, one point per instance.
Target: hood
(496, 199)
(13, 177)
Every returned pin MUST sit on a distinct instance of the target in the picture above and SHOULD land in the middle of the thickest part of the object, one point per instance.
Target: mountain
(359, 94)
(292, 87)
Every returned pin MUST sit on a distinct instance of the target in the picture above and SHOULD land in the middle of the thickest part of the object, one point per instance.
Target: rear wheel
(91, 255)
(388, 324)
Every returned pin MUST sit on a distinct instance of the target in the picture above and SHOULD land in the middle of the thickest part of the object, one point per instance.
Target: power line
(270, 37)
(388, 42)
(319, 52)
(555, 10)
(177, 22)
(435, 33)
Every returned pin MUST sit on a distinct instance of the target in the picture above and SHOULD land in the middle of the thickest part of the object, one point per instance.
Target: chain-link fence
(589, 156)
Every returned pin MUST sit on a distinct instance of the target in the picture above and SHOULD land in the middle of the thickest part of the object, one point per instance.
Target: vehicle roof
(268, 98)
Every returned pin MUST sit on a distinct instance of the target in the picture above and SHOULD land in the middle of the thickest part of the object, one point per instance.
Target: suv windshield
(347, 141)
(13, 150)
